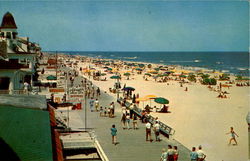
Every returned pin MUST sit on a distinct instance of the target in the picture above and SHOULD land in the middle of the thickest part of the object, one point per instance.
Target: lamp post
(85, 104)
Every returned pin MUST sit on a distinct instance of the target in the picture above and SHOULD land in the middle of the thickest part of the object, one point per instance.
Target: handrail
(100, 150)
(165, 129)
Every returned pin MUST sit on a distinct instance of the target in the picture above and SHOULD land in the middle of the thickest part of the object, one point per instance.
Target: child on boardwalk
(113, 134)
(193, 155)
(101, 111)
(176, 153)
(170, 153)
(109, 112)
(128, 120)
(105, 111)
(164, 155)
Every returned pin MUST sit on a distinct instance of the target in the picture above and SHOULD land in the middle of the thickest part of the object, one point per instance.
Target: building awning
(27, 132)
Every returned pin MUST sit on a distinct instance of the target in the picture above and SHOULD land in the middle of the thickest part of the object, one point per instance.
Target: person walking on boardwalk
(170, 153)
(113, 134)
(232, 136)
(91, 104)
(123, 120)
(157, 131)
(201, 154)
(128, 120)
(164, 155)
(148, 131)
(98, 92)
(135, 126)
(176, 153)
(193, 155)
(96, 105)
(112, 109)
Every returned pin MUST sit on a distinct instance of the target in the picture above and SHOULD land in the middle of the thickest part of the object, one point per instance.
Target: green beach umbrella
(51, 77)
(183, 76)
(147, 74)
(162, 75)
(115, 77)
(138, 69)
(109, 68)
(154, 72)
(157, 69)
(161, 100)
(127, 74)
(102, 74)
(141, 65)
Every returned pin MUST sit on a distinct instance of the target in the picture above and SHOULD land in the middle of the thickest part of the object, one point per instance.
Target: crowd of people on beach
(129, 119)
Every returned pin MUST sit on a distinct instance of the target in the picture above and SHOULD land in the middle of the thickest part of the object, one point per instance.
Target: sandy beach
(197, 115)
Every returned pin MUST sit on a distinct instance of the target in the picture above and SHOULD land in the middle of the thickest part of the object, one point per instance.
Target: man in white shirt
(157, 131)
(148, 131)
(201, 154)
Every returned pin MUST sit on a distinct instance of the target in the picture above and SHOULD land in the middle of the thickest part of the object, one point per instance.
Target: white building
(18, 57)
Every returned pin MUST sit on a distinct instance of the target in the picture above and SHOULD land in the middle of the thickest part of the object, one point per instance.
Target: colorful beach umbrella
(150, 96)
(161, 100)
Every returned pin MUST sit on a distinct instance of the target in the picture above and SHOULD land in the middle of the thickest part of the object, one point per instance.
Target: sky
(133, 25)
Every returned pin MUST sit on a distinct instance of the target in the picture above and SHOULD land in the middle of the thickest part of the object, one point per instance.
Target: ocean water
(227, 62)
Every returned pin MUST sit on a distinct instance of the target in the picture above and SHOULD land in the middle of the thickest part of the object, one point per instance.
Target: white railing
(100, 150)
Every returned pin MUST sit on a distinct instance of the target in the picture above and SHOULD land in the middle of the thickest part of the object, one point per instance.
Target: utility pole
(85, 104)
(56, 65)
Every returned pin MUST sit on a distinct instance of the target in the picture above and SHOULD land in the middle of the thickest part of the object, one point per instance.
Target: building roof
(8, 21)
(27, 132)
(25, 101)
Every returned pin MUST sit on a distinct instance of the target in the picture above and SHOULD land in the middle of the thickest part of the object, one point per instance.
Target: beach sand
(197, 116)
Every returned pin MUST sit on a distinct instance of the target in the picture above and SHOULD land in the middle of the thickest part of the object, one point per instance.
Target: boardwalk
(132, 143)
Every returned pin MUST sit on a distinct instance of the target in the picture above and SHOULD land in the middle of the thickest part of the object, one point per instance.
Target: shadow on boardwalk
(132, 145)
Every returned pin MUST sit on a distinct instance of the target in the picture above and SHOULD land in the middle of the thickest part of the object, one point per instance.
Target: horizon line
(146, 51)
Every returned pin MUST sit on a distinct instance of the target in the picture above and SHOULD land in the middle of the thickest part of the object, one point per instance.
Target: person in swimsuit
(233, 134)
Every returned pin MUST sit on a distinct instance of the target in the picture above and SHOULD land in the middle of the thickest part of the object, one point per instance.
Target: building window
(4, 83)
(8, 36)
(14, 35)
(2, 34)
